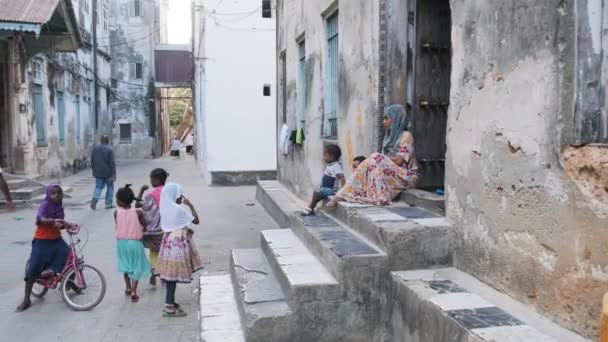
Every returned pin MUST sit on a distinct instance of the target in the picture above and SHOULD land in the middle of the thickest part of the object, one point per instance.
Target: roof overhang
(53, 29)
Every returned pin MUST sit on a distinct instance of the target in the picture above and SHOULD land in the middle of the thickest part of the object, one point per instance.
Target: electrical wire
(132, 41)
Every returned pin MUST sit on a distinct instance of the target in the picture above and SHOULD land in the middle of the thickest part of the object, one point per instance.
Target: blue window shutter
(331, 107)
(40, 116)
(77, 128)
(302, 84)
(61, 117)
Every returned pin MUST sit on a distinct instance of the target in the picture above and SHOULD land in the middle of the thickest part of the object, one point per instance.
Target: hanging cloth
(299, 136)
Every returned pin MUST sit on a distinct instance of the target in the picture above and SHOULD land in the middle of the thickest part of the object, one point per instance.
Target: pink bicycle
(82, 286)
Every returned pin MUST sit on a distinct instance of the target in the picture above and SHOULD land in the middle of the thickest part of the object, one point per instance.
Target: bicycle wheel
(38, 290)
(85, 296)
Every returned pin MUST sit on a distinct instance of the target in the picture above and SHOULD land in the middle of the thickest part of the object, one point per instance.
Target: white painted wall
(238, 122)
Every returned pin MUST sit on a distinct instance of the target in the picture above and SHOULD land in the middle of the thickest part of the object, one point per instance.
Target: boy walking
(333, 172)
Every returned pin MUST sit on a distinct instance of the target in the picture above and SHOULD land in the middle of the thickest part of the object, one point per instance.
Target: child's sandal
(177, 313)
(134, 298)
(127, 292)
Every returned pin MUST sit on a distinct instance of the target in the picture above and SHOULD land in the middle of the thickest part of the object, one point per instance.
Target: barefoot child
(333, 171)
(150, 204)
(130, 225)
(48, 248)
(178, 258)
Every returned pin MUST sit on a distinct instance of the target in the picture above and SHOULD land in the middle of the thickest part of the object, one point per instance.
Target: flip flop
(134, 298)
(178, 313)
(127, 292)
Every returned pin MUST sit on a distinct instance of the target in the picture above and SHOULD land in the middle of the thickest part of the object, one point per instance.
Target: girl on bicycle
(178, 258)
(130, 224)
(48, 248)
(150, 204)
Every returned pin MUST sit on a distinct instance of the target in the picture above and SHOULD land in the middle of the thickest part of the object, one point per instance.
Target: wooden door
(432, 67)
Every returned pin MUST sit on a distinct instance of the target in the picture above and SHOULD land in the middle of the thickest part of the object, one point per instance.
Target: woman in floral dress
(382, 177)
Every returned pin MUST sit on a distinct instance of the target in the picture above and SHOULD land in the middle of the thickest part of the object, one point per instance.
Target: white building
(234, 49)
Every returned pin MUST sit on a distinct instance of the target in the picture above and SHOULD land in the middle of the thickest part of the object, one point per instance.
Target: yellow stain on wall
(359, 118)
(349, 151)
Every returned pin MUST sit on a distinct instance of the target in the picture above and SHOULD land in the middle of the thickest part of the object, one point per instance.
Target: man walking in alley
(104, 171)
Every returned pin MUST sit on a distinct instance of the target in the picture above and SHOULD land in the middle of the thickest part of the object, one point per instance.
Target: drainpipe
(95, 79)
(382, 42)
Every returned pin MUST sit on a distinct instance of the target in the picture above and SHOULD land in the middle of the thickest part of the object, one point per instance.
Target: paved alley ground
(230, 218)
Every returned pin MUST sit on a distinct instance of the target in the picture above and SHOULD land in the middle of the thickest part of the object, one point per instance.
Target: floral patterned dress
(378, 179)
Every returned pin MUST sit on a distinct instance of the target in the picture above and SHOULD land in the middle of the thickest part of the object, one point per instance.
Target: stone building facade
(509, 118)
(48, 121)
(137, 26)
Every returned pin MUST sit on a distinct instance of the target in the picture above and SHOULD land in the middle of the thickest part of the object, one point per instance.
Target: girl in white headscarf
(178, 258)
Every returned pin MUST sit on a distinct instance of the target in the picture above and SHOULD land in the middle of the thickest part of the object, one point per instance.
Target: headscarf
(172, 215)
(47, 208)
(401, 121)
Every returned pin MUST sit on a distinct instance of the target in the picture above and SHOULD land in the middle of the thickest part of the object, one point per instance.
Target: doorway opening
(429, 91)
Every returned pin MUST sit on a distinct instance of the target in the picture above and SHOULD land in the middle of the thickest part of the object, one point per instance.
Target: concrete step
(412, 237)
(334, 244)
(16, 183)
(27, 193)
(265, 314)
(339, 249)
(424, 199)
(219, 313)
(278, 202)
(302, 277)
(449, 305)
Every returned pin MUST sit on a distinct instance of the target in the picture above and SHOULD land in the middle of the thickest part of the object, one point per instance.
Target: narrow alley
(230, 218)
(364, 170)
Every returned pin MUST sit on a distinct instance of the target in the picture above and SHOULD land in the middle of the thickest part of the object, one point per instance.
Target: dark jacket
(102, 161)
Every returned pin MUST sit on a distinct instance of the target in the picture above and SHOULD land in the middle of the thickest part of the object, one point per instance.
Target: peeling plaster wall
(71, 74)
(302, 169)
(133, 41)
(524, 226)
(51, 158)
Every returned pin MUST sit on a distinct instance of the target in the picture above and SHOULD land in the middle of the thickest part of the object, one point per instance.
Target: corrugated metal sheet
(173, 66)
(27, 11)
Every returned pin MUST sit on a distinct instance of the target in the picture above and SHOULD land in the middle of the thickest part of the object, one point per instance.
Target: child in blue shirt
(333, 172)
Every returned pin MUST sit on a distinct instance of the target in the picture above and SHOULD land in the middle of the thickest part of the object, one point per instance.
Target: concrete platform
(412, 237)
(449, 305)
(265, 314)
(219, 315)
(302, 277)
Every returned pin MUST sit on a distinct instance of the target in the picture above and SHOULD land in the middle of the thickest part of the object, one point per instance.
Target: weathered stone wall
(50, 157)
(302, 169)
(132, 41)
(524, 225)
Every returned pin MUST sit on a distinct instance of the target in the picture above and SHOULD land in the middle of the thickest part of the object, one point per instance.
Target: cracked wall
(526, 211)
(133, 37)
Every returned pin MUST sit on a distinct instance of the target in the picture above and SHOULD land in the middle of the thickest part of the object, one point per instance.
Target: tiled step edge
(265, 314)
(302, 277)
(443, 305)
(339, 249)
(219, 314)
(278, 202)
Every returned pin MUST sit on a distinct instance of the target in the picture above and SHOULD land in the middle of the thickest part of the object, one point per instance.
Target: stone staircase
(359, 273)
(26, 190)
